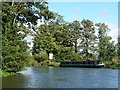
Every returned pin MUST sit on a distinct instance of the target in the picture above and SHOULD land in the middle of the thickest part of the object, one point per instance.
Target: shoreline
(49, 63)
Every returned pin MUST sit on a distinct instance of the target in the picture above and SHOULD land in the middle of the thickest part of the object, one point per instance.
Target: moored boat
(87, 63)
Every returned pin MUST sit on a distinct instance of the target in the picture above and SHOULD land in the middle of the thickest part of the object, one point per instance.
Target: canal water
(58, 77)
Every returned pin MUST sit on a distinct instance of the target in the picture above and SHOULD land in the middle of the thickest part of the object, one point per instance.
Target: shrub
(50, 63)
(29, 60)
(41, 56)
(14, 63)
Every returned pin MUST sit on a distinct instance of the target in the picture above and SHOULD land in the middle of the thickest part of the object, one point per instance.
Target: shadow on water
(56, 77)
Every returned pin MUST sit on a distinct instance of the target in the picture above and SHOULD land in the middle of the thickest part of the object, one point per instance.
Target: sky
(106, 12)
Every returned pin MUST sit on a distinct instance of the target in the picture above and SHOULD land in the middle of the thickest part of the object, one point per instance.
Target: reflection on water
(56, 77)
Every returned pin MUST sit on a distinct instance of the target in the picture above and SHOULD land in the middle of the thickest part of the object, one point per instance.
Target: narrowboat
(85, 63)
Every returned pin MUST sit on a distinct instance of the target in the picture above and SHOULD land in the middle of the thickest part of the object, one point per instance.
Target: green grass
(5, 74)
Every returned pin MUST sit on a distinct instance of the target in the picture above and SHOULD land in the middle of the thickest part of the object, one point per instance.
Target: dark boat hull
(84, 66)
(87, 64)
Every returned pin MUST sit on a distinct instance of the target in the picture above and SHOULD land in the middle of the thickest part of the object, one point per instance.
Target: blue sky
(96, 11)
(104, 11)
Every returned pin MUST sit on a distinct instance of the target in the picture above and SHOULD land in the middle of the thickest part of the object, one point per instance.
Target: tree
(44, 40)
(107, 49)
(118, 47)
(103, 40)
(75, 33)
(111, 51)
(88, 39)
(14, 17)
(53, 37)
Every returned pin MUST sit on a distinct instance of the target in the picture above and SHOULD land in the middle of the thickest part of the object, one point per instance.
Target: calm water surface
(56, 77)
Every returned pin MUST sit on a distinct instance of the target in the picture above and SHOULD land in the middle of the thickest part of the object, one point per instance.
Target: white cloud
(103, 13)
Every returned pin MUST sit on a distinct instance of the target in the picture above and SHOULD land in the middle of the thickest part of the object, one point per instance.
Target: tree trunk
(76, 46)
(13, 2)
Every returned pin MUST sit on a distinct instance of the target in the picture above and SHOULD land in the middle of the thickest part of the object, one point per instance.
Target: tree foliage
(15, 15)
(89, 40)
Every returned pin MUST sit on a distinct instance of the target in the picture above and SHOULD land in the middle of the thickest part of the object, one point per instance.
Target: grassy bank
(5, 74)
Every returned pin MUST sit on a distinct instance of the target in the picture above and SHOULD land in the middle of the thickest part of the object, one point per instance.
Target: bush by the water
(41, 56)
(49, 63)
(30, 60)
(114, 64)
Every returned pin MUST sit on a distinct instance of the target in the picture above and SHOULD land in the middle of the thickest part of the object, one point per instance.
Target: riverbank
(6, 74)
(112, 65)
(35, 63)
(109, 65)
